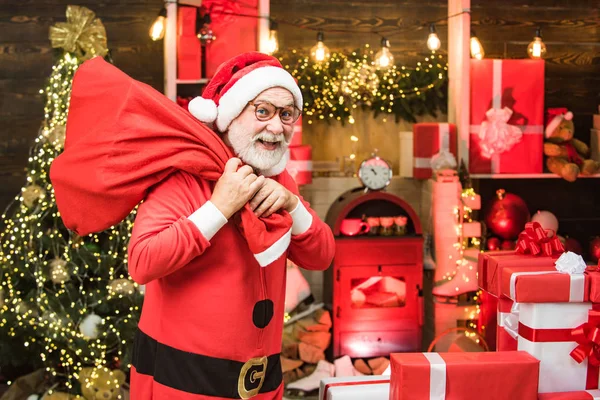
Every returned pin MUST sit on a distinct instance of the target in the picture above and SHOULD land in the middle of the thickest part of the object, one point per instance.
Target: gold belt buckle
(254, 376)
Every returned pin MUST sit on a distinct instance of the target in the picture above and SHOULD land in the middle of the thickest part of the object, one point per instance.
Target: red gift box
(483, 268)
(594, 276)
(189, 54)
(428, 140)
(508, 325)
(488, 318)
(186, 21)
(580, 395)
(549, 286)
(300, 164)
(496, 264)
(460, 376)
(234, 34)
(507, 116)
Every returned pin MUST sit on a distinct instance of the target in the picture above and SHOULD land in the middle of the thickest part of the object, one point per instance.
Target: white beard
(248, 150)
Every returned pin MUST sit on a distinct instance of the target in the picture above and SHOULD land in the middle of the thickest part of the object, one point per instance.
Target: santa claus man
(212, 321)
(219, 218)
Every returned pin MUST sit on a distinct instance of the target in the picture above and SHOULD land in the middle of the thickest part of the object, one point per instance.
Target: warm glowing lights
(537, 48)
(384, 58)
(476, 47)
(334, 88)
(272, 43)
(319, 52)
(52, 279)
(157, 30)
(433, 41)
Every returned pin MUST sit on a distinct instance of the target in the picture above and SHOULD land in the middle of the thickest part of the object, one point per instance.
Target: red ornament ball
(507, 215)
(595, 248)
(508, 245)
(493, 244)
(573, 246)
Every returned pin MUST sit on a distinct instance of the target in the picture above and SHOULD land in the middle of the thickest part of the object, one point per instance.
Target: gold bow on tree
(83, 34)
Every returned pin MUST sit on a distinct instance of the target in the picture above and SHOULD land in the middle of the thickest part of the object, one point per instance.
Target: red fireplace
(374, 286)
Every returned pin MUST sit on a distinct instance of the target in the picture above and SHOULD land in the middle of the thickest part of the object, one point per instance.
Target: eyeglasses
(264, 111)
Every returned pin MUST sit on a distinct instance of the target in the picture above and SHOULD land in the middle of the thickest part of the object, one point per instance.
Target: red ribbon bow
(587, 336)
(535, 240)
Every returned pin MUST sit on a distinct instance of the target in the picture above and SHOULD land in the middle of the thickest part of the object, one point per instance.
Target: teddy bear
(567, 156)
(101, 383)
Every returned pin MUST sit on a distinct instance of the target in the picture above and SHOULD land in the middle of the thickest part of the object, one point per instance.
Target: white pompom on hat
(237, 82)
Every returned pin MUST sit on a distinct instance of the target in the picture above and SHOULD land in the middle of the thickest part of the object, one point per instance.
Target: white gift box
(406, 154)
(595, 143)
(371, 387)
(559, 372)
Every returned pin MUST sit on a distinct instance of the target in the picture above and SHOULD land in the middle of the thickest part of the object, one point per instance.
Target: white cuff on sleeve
(302, 219)
(208, 219)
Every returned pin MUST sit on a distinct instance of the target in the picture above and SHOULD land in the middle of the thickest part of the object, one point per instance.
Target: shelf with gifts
(199, 37)
(511, 133)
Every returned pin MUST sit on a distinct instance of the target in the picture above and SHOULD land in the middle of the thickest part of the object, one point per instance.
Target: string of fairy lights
(67, 296)
(335, 84)
(336, 88)
(320, 52)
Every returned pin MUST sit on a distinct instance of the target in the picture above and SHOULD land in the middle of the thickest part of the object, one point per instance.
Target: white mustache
(269, 137)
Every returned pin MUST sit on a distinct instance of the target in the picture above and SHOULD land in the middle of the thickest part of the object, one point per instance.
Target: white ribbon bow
(496, 135)
(570, 263)
(443, 160)
(510, 321)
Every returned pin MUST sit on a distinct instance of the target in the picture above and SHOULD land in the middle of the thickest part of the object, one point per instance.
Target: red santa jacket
(212, 320)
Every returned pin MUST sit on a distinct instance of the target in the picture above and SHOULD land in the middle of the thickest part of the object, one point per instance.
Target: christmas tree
(67, 301)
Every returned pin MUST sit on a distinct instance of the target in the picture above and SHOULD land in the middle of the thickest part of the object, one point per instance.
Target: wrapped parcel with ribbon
(506, 132)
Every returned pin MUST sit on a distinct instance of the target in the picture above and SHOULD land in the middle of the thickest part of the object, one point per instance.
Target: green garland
(333, 89)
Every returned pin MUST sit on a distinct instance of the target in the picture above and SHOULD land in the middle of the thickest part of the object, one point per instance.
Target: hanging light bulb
(433, 41)
(537, 48)
(157, 30)
(384, 57)
(272, 44)
(476, 47)
(205, 33)
(319, 52)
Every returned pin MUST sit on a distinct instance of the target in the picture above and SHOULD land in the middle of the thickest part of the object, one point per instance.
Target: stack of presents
(548, 336)
(548, 300)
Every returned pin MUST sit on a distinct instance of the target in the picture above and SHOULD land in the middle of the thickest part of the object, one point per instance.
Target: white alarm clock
(375, 173)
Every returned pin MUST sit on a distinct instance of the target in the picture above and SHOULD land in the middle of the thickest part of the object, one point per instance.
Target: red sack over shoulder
(122, 138)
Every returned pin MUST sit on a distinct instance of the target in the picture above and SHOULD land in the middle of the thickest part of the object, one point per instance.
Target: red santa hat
(555, 122)
(237, 82)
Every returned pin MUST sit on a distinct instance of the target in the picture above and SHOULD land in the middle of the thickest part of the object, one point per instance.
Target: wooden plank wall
(26, 60)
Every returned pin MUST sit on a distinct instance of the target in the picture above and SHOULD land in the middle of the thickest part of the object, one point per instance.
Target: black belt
(200, 374)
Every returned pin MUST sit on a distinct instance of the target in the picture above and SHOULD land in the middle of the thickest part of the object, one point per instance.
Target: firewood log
(310, 354)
